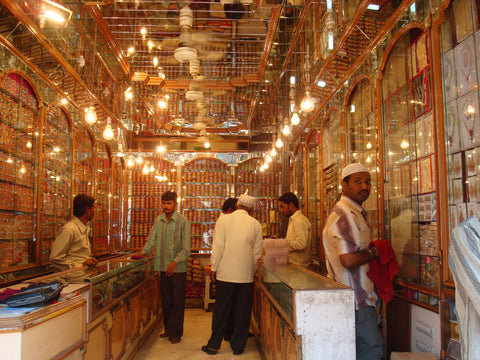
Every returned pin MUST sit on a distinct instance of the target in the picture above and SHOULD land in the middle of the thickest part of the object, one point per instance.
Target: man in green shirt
(170, 236)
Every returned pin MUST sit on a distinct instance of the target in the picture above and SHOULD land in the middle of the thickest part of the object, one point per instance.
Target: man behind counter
(299, 231)
(71, 248)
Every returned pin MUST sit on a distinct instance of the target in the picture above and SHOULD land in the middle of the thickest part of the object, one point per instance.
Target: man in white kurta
(237, 246)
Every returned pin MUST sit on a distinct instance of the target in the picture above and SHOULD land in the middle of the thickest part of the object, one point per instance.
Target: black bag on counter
(36, 294)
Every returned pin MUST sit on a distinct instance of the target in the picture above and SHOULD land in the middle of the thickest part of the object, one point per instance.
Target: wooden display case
(84, 162)
(116, 205)
(332, 163)
(54, 331)
(144, 198)
(298, 179)
(122, 307)
(103, 178)
(313, 202)
(410, 193)
(205, 186)
(299, 314)
(19, 121)
(57, 177)
(265, 187)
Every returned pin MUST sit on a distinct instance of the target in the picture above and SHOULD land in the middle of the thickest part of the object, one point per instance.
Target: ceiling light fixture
(129, 94)
(108, 132)
(279, 143)
(375, 7)
(307, 104)
(130, 161)
(52, 11)
(90, 115)
(295, 120)
(286, 130)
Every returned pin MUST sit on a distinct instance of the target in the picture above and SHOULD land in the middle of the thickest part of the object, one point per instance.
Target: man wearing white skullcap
(347, 241)
(237, 246)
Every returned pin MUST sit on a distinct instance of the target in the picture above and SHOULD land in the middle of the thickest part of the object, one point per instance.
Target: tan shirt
(299, 237)
(72, 246)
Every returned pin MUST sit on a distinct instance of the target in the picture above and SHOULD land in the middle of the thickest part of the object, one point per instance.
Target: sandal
(209, 351)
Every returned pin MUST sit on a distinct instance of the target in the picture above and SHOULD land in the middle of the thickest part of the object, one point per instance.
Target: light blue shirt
(171, 240)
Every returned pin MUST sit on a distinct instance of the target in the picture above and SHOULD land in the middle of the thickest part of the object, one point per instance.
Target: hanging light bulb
(155, 61)
(307, 104)
(279, 143)
(90, 115)
(131, 161)
(295, 119)
(143, 31)
(150, 45)
(108, 132)
(22, 169)
(152, 168)
(286, 130)
(404, 144)
(369, 145)
(139, 159)
(145, 170)
(268, 159)
(29, 145)
(161, 148)
(162, 104)
(129, 94)
(206, 144)
(273, 152)
(9, 160)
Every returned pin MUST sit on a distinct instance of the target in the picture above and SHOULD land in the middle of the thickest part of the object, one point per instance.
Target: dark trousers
(233, 301)
(172, 294)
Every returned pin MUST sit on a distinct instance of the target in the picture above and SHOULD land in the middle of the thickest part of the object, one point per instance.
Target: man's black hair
(169, 196)
(229, 204)
(289, 198)
(80, 204)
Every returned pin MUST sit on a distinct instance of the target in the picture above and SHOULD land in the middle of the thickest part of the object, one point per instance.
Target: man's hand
(212, 276)
(171, 268)
(90, 262)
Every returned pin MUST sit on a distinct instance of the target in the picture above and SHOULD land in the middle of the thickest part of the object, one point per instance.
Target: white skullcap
(353, 169)
(246, 201)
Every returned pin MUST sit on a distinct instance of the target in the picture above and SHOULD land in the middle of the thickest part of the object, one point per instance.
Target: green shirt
(171, 240)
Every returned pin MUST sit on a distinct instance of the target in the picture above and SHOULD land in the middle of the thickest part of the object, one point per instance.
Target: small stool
(206, 292)
(412, 356)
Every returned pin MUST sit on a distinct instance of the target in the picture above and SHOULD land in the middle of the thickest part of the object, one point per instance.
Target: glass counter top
(297, 278)
(282, 281)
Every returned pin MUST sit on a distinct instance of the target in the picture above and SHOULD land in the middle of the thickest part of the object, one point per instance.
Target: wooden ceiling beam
(103, 26)
(21, 16)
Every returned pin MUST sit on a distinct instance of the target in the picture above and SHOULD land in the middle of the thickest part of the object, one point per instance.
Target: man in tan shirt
(299, 231)
(71, 248)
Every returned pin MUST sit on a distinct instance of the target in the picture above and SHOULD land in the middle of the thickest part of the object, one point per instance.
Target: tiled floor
(197, 329)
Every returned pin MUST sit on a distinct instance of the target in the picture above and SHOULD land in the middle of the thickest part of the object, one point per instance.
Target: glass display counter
(110, 280)
(303, 314)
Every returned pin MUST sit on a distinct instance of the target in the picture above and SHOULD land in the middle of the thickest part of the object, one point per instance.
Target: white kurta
(237, 246)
